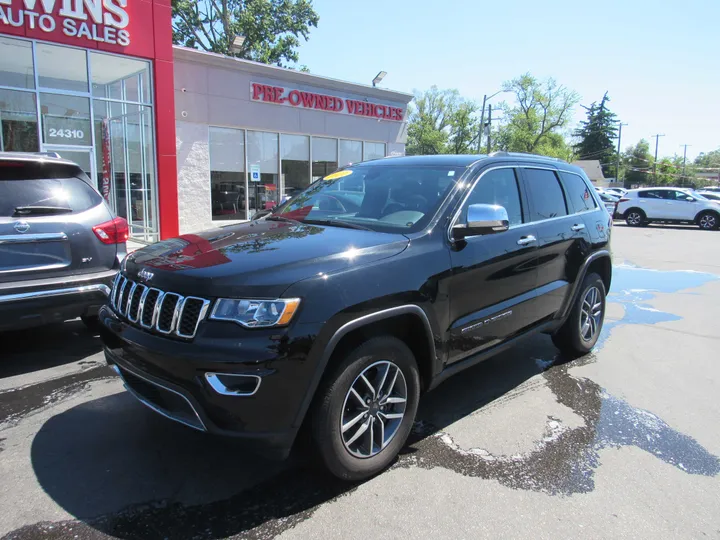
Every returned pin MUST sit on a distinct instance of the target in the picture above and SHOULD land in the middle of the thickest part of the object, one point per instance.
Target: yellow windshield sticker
(336, 175)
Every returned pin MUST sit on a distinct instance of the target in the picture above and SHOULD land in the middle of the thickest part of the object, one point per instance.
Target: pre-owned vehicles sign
(280, 95)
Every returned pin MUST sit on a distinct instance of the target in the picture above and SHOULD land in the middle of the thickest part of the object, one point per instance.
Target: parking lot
(621, 443)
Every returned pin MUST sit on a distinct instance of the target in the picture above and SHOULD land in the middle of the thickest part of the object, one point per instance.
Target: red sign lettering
(323, 102)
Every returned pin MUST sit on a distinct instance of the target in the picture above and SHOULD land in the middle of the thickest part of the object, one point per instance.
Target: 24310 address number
(67, 133)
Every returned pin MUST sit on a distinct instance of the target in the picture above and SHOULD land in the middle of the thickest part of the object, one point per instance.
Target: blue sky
(658, 59)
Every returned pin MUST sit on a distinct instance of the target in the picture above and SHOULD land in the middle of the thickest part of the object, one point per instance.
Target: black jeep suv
(373, 285)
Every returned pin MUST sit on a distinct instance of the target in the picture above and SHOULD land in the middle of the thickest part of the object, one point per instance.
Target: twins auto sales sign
(310, 100)
(110, 25)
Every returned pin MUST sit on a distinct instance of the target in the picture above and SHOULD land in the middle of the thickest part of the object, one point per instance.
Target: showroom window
(373, 150)
(104, 124)
(295, 154)
(227, 173)
(324, 156)
(262, 149)
(350, 152)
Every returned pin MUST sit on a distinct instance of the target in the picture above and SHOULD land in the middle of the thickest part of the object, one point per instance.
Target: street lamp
(379, 77)
(237, 44)
(482, 117)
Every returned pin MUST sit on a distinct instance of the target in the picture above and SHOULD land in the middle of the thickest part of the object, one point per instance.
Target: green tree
(637, 161)
(441, 122)
(711, 160)
(271, 28)
(535, 123)
(596, 135)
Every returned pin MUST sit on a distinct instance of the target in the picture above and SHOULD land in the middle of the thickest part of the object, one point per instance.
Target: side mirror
(689, 199)
(483, 219)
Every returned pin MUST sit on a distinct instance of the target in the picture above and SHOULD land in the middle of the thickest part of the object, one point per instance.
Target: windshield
(380, 197)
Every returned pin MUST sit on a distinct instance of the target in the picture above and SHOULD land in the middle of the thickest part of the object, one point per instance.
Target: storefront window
(262, 149)
(16, 64)
(61, 68)
(18, 116)
(350, 152)
(295, 153)
(65, 120)
(373, 150)
(324, 155)
(227, 173)
(117, 77)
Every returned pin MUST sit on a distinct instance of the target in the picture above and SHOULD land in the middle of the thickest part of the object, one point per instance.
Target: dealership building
(177, 140)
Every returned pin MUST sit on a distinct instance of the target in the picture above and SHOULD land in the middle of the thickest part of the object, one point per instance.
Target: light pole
(617, 162)
(482, 118)
(657, 143)
(684, 159)
(379, 77)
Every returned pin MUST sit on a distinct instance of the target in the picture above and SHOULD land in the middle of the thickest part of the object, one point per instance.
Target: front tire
(708, 221)
(582, 329)
(366, 409)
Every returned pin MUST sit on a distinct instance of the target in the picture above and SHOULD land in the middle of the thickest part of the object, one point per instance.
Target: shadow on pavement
(25, 351)
(124, 471)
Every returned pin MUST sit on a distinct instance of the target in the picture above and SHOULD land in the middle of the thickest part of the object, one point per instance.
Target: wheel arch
(640, 210)
(706, 211)
(404, 322)
(599, 262)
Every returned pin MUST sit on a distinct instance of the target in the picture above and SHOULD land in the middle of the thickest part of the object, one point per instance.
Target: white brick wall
(194, 205)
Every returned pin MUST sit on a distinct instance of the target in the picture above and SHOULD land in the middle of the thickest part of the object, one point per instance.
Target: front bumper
(174, 378)
(43, 301)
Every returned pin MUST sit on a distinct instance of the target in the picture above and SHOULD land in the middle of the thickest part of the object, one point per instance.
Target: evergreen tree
(596, 135)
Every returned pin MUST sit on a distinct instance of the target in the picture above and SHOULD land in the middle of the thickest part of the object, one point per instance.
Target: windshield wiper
(336, 223)
(41, 210)
(271, 217)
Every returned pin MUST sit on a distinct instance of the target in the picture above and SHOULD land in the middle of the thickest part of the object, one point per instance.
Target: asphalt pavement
(622, 443)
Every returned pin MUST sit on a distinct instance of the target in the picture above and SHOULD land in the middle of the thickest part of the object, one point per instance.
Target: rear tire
(708, 221)
(580, 332)
(343, 401)
(635, 218)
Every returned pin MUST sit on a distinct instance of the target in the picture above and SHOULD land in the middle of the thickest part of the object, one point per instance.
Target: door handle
(525, 240)
(578, 227)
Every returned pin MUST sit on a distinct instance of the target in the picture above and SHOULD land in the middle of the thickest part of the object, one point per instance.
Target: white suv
(671, 205)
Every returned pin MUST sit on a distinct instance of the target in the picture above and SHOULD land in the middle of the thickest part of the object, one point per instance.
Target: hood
(259, 259)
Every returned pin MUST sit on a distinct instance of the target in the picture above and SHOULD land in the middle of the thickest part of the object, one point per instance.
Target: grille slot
(167, 313)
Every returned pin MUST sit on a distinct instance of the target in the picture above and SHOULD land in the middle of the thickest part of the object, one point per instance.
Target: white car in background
(668, 205)
(609, 200)
(710, 195)
(618, 191)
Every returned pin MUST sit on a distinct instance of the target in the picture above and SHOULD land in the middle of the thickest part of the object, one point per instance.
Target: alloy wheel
(591, 314)
(708, 221)
(373, 410)
(634, 218)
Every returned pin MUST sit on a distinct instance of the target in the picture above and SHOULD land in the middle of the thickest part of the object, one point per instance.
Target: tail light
(623, 200)
(112, 232)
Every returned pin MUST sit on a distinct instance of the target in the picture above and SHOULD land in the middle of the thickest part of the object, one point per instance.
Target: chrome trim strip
(137, 311)
(149, 326)
(156, 311)
(55, 292)
(129, 299)
(31, 238)
(141, 306)
(175, 313)
(118, 299)
(154, 407)
(220, 388)
(201, 316)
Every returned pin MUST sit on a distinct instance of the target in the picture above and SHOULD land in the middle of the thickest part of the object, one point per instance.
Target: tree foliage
(271, 28)
(442, 122)
(596, 135)
(637, 161)
(535, 123)
(711, 160)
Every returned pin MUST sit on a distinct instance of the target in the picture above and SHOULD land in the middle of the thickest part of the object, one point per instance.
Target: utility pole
(489, 126)
(617, 162)
(482, 125)
(657, 142)
(684, 159)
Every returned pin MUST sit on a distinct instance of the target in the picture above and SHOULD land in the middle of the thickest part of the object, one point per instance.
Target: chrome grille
(153, 309)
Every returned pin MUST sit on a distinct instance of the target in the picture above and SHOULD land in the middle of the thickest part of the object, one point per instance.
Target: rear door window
(651, 194)
(547, 200)
(44, 196)
(580, 198)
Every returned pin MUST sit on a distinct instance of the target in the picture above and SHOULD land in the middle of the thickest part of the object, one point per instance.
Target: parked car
(616, 191)
(668, 205)
(710, 195)
(335, 320)
(609, 201)
(60, 244)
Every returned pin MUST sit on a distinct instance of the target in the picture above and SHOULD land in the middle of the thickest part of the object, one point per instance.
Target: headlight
(256, 313)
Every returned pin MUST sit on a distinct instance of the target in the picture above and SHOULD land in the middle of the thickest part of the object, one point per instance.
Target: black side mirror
(483, 219)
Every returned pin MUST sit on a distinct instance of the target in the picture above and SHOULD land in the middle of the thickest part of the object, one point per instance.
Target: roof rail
(503, 153)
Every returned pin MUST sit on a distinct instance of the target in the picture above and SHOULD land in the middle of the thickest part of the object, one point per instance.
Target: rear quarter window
(72, 193)
(579, 196)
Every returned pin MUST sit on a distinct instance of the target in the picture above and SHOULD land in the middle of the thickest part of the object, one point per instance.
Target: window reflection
(227, 178)
(324, 154)
(18, 117)
(16, 64)
(295, 163)
(350, 152)
(262, 149)
(61, 68)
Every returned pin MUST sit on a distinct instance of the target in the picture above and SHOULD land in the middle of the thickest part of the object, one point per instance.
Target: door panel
(493, 276)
